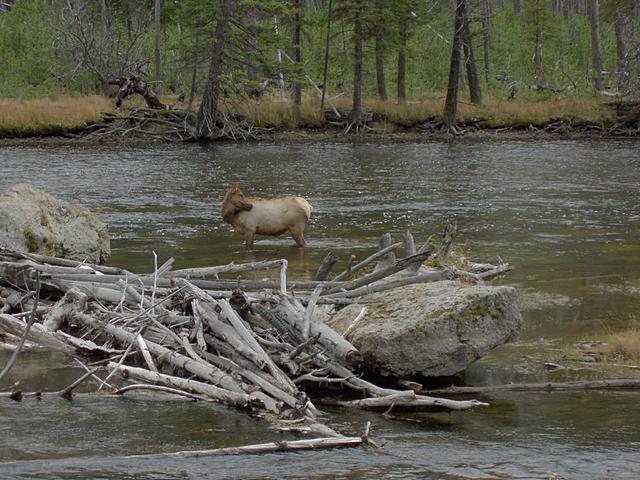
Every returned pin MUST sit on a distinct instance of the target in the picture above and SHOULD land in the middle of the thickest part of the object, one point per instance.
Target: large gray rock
(34, 221)
(432, 329)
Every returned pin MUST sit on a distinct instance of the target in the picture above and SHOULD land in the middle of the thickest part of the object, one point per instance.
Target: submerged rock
(432, 329)
(34, 221)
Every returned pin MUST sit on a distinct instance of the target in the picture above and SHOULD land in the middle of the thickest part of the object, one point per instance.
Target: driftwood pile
(166, 125)
(249, 343)
(171, 125)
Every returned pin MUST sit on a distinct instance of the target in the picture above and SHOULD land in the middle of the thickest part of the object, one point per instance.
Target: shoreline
(78, 136)
(94, 120)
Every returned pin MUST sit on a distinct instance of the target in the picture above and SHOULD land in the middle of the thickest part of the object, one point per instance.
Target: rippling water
(566, 213)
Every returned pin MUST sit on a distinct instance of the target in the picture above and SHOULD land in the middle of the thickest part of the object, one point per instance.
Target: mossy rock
(431, 330)
(36, 222)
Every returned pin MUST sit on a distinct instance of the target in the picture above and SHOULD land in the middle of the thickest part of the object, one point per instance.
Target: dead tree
(132, 84)
(88, 34)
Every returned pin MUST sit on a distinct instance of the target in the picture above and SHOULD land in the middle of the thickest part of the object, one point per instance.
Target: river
(565, 213)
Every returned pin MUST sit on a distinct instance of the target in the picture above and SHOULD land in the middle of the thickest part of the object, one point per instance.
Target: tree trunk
(594, 19)
(297, 53)
(538, 71)
(451, 103)
(208, 112)
(356, 110)
(619, 23)
(402, 66)
(517, 6)
(382, 88)
(379, 49)
(253, 72)
(194, 73)
(157, 51)
(326, 57)
(470, 63)
(486, 37)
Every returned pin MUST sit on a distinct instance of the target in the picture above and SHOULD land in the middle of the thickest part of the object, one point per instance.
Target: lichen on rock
(431, 330)
(34, 221)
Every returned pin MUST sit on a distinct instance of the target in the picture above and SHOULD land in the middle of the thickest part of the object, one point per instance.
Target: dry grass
(42, 113)
(589, 109)
(274, 111)
(278, 112)
(624, 345)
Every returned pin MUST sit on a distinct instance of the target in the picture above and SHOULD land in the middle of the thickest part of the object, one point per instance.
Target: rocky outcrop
(430, 330)
(34, 221)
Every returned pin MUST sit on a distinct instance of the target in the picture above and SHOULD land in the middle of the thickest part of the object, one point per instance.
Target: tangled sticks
(189, 332)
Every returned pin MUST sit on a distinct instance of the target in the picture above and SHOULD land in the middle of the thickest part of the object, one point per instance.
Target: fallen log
(410, 402)
(284, 446)
(37, 334)
(576, 385)
(229, 397)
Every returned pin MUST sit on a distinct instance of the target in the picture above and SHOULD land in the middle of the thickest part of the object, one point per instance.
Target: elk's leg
(249, 236)
(297, 232)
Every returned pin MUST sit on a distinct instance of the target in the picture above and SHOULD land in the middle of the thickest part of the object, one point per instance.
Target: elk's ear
(236, 188)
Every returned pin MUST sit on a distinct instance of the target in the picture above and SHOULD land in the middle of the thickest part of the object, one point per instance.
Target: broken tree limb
(36, 334)
(308, 313)
(401, 282)
(258, 378)
(67, 392)
(133, 84)
(381, 273)
(239, 399)
(237, 324)
(62, 262)
(478, 277)
(389, 258)
(142, 345)
(230, 268)
(63, 309)
(337, 346)
(23, 337)
(355, 321)
(370, 259)
(326, 266)
(284, 446)
(446, 240)
(205, 371)
(408, 401)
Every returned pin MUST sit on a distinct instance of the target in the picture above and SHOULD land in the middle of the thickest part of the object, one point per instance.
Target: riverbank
(76, 120)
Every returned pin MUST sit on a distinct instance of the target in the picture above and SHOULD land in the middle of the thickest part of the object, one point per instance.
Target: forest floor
(70, 119)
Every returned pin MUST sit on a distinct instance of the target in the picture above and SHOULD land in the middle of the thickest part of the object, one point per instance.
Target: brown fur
(265, 216)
